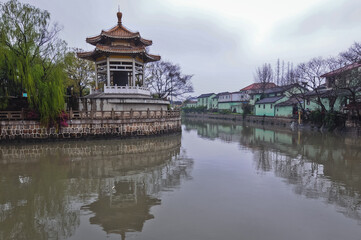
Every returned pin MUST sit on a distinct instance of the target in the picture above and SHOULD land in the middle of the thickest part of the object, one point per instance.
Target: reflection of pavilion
(125, 210)
(129, 180)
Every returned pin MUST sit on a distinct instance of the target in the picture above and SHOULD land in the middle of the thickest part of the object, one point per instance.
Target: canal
(216, 180)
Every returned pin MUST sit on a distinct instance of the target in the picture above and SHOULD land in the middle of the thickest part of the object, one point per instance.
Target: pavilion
(120, 56)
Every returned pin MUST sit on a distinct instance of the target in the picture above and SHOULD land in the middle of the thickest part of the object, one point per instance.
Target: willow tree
(32, 56)
(80, 72)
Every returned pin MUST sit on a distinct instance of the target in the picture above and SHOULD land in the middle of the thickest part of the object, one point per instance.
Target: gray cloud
(221, 52)
(344, 15)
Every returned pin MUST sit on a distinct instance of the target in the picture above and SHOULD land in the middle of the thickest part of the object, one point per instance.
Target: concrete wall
(32, 130)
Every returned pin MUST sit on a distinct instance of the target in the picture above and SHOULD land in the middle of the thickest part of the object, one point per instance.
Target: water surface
(215, 181)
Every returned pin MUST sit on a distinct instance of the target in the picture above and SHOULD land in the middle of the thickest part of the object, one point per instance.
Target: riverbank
(273, 122)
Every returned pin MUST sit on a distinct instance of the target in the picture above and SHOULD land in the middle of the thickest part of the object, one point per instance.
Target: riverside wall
(277, 121)
(89, 128)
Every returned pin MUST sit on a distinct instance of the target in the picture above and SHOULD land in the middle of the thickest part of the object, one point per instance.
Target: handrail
(96, 115)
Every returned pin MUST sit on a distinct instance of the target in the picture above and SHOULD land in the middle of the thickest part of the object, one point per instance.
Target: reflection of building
(318, 166)
(130, 192)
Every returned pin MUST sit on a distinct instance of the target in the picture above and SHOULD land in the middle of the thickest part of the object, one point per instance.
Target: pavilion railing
(96, 115)
(126, 90)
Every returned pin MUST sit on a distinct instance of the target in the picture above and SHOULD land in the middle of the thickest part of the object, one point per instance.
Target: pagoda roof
(101, 49)
(118, 32)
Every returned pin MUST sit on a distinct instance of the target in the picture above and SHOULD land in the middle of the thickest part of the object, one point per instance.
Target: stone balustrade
(126, 90)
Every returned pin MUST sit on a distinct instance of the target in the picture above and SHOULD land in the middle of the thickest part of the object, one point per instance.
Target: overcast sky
(220, 42)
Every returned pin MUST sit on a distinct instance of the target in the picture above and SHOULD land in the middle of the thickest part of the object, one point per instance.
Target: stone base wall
(77, 129)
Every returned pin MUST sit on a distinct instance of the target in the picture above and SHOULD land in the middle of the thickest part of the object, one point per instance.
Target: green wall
(284, 111)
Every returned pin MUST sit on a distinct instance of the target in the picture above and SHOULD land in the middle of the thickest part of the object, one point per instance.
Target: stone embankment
(95, 125)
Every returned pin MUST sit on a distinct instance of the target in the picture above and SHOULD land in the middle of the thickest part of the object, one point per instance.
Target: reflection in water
(317, 166)
(118, 181)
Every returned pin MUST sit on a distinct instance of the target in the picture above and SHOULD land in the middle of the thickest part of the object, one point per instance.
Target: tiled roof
(269, 100)
(341, 70)
(281, 88)
(257, 86)
(136, 45)
(289, 102)
(119, 50)
(118, 32)
(222, 93)
(274, 90)
(205, 95)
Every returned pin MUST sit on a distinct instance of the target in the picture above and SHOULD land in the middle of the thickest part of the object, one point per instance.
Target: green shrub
(225, 111)
(316, 117)
(247, 109)
(199, 109)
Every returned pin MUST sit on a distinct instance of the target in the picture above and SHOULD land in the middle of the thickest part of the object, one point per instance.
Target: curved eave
(99, 50)
(152, 58)
(86, 55)
(114, 33)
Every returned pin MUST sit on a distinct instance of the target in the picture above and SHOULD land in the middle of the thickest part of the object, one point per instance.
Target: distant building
(349, 73)
(190, 103)
(232, 101)
(271, 97)
(205, 100)
(255, 90)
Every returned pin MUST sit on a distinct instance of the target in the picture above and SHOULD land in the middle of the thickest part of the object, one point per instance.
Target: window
(271, 106)
(259, 106)
(264, 106)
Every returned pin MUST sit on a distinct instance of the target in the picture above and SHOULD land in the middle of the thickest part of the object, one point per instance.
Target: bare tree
(290, 76)
(345, 78)
(283, 73)
(352, 55)
(278, 72)
(264, 74)
(309, 73)
(165, 79)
